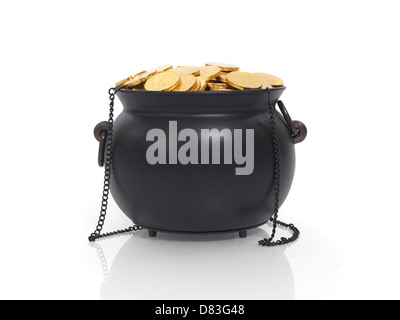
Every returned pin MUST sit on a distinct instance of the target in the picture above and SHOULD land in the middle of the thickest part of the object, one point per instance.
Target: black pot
(155, 186)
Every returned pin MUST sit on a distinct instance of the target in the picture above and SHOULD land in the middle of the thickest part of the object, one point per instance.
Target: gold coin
(224, 66)
(139, 78)
(222, 77)
(139, 87)
(196, 86)
(163, 68)
(222, 89)
(210, 72)
(266, 85)
(188, 81)
(120, 83)
(187, 70)
(137, 75)
(214, 86)
(244, 80)
(163, 81)
(270, 79)
(202, 83)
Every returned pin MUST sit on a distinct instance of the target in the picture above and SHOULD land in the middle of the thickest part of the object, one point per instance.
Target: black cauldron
(200, 162)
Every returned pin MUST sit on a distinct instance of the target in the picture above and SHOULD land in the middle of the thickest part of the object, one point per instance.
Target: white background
(340, 63)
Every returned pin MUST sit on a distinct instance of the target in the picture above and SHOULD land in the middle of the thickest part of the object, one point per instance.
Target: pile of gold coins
(212, 77)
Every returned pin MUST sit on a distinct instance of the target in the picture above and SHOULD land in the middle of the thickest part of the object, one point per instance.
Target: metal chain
(107, 178)
(277, 177)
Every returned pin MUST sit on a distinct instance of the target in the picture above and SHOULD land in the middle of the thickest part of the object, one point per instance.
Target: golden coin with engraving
(163, 81)
(226, 67)
(269, 79)
(244, 80)
(187, 70)
(188, 81)
(210, 72)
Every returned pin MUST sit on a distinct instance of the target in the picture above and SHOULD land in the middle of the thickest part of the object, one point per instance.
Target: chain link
(277, 178)
(107, 178)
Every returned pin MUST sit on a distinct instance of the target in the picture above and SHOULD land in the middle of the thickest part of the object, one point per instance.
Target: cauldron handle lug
(298, 128)
(100, 133)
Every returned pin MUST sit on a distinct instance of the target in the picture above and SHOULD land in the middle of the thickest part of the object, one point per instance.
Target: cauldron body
(198, 198)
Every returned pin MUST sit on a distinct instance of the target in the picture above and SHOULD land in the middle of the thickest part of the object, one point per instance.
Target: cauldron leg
(152, 233)
(243, 234)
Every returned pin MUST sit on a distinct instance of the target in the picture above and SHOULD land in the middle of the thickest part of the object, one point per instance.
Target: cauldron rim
(188, 93)
(198, 101)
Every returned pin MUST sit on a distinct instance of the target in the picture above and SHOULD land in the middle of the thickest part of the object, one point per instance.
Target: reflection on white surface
(221, 266)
